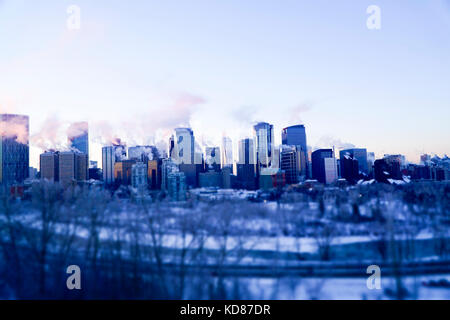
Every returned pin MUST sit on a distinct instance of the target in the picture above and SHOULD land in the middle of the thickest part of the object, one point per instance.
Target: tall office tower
(330, 166)
(73, 167)
(247, 152)
(67, 165)
(349, 168)
(82, 166)
(14, 148)
(122, 171)
(396, 163)
(184, 155)
(111, 155)
(397, 158)
(290, 163)
(181, 146)
(383, 170)
(264, 140)
(143, 153)
(323, 171)
(177, 186)
(227, 152)
(167, 166)
(212, 158)
(139, 176)
(296, 136)
(358, 154)
(154, 173)
(108, 161)
(78, 136)
(246, 167)
(49, 166)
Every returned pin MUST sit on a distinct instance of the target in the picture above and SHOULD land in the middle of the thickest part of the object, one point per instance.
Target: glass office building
(14, 149)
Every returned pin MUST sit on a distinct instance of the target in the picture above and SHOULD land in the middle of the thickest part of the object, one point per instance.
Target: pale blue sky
(220, 65)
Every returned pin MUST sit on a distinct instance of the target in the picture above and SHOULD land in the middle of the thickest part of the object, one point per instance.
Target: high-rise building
(49, 166)
(330, 167)
(139, 176)
(181, 146)
(349, 168)
(78, 136)
(264, 140)
(247, 152)
(246, 168)
(397, 158)
(296, 136)
(154, 173)
(111, 155)
(73, 167)
(177, 186)
(358, 154)
(227, 152)
(213, 158)
(390, 167)
(168, 166)
(82, 167)
(14, 148)
(182, 152)
(383, 170)
(108, 161)
(191, 172)
(291, 163)
(323, 171)
(122, 171)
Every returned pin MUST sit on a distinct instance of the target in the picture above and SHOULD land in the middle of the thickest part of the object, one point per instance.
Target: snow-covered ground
(293, 288)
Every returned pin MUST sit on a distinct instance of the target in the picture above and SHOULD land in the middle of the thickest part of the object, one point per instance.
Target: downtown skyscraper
(264, 139)
(14, 148)
(246, 168)
(324, 166)
(296, 136)
(181, 146)
(78, 136)
(227, 152)
(111, 155)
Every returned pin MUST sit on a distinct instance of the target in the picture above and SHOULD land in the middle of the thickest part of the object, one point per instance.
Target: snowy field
(306, 244)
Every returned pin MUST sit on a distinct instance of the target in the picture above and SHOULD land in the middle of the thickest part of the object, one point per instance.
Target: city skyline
(261, 163)
(383, 90)
(81, 132)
